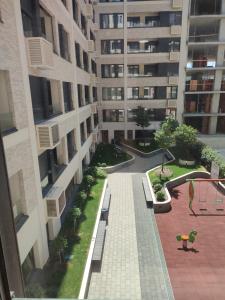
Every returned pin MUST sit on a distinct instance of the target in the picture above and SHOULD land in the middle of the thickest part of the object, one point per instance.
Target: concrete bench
(106, 205)
(146, 190)
(99, 242)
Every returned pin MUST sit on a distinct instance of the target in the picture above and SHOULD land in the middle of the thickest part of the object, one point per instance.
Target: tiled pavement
(133, 265)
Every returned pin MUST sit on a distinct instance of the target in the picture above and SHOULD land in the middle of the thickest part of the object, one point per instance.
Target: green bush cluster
(157, 186)
(160, 196)
(210, 155)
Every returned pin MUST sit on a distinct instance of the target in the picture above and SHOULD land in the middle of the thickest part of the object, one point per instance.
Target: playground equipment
(187, 238)
(202, 194)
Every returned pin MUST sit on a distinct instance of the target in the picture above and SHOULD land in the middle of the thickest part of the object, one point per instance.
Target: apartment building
(72, 72)
(48, 114)
(138, 61)
(204, 93)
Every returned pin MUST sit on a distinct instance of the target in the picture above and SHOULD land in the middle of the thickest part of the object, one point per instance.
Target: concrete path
(133, 264)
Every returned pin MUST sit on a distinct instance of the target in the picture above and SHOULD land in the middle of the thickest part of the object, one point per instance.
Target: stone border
(87, 271)
(114, 168)
(165, 206)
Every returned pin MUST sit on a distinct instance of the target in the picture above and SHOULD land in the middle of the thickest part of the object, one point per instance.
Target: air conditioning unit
(175, 29)
(172, 103)
(40, 53)
(95, 137)
(177, 3)
(92, 79)
(173, 80)
(174, 56)
(56, 202)
(89, 11)
(93, 108)
(91, 46)
(47, 135)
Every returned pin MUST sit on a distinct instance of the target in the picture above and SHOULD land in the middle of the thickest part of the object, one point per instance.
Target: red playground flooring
(200, 272)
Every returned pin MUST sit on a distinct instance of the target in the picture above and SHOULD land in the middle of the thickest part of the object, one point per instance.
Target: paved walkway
(133, 264)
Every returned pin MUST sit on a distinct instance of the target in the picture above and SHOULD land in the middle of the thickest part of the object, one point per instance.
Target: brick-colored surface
(201, 274)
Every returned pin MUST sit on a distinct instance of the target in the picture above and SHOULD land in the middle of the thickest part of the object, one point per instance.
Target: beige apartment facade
(72, 72)
(49, 136)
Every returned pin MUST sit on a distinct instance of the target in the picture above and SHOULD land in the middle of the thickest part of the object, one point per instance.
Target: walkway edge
(86, 275)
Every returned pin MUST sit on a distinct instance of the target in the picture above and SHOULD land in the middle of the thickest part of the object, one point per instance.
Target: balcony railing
(144, 25)
(199, 85)
(201, 63)
(203, 38)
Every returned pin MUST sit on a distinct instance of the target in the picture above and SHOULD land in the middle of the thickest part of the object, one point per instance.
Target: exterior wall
(21, 146)
(126, 34)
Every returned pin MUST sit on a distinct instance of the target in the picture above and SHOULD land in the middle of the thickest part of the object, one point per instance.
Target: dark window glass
(112, 71)
(112, 46)
(111, 21)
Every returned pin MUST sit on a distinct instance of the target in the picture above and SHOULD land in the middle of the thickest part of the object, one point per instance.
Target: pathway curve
(133, 264)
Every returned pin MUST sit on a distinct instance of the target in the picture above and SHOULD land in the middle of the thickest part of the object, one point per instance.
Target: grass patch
(146, 149)
(109, 155)
(176, 170)
(64, 280)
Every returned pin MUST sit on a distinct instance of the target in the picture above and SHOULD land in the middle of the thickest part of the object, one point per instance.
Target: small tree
(170, 124)
(185, 137)
(142, 118)
(75, 214)
(59, 245)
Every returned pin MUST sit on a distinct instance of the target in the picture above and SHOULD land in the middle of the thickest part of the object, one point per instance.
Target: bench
(106, 205)
(99, 242)
(146, 190)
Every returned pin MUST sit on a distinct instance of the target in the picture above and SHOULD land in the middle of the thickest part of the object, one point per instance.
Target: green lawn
(177, 170)
(109, 155)
(64, 280)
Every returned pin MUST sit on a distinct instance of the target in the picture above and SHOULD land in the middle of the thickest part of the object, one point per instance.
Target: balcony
(40, 53)
(56, 202)
(47, 135)
(199, 85)
(205, 7)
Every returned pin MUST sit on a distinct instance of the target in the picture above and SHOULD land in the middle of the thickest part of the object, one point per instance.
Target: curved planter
(114, 168)
(186, 162)
(165, 206)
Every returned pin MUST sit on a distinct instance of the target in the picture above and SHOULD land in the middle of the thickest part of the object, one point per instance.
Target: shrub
(89, 180)
(156, 181)
(157, 187)
(185, 137)
(100, 173)
(82, 197)
(160, 196)
(164, 178)
(209, 155)
(34, 290)
(103, 165)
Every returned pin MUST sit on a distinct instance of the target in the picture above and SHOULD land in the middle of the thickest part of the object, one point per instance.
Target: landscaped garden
(109, 155)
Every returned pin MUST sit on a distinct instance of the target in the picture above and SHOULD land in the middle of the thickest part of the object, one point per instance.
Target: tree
(185, 138)
(164, 137)
(60, 243)
(142, 118)
(75, 214)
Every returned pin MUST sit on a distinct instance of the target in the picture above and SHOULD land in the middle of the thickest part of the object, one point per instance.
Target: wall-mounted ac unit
(89, 11)
(47, 135)
(175, 29)
(56, 202)
(91, 46)
(40, 53)
(177, 3)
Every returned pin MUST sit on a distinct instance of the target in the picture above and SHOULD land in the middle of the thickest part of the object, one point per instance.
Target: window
(6, 113)
(111, 21)
(46, 26)
(132, 93)
(63, 43)
(150, 70)
(112, 71)
(104, 1)
(75, 11)
(174, 45)
(131, 115)
(175, 18)
(83, 25)
(67, 94)
(171, 92)
(112, 46)
(112, 93)
(150, 46)
(133, 47)
(113, 115)
(133, 70)
(89, 126)
(78, 53)
(82, 133)
(133, 22)
(29, 10)
(94, 93)
(80, 95)
(93, 67)
(95, 120)
(85, 61)
(71, 146)
(152, 21)
(87, 94)
(149, 92)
